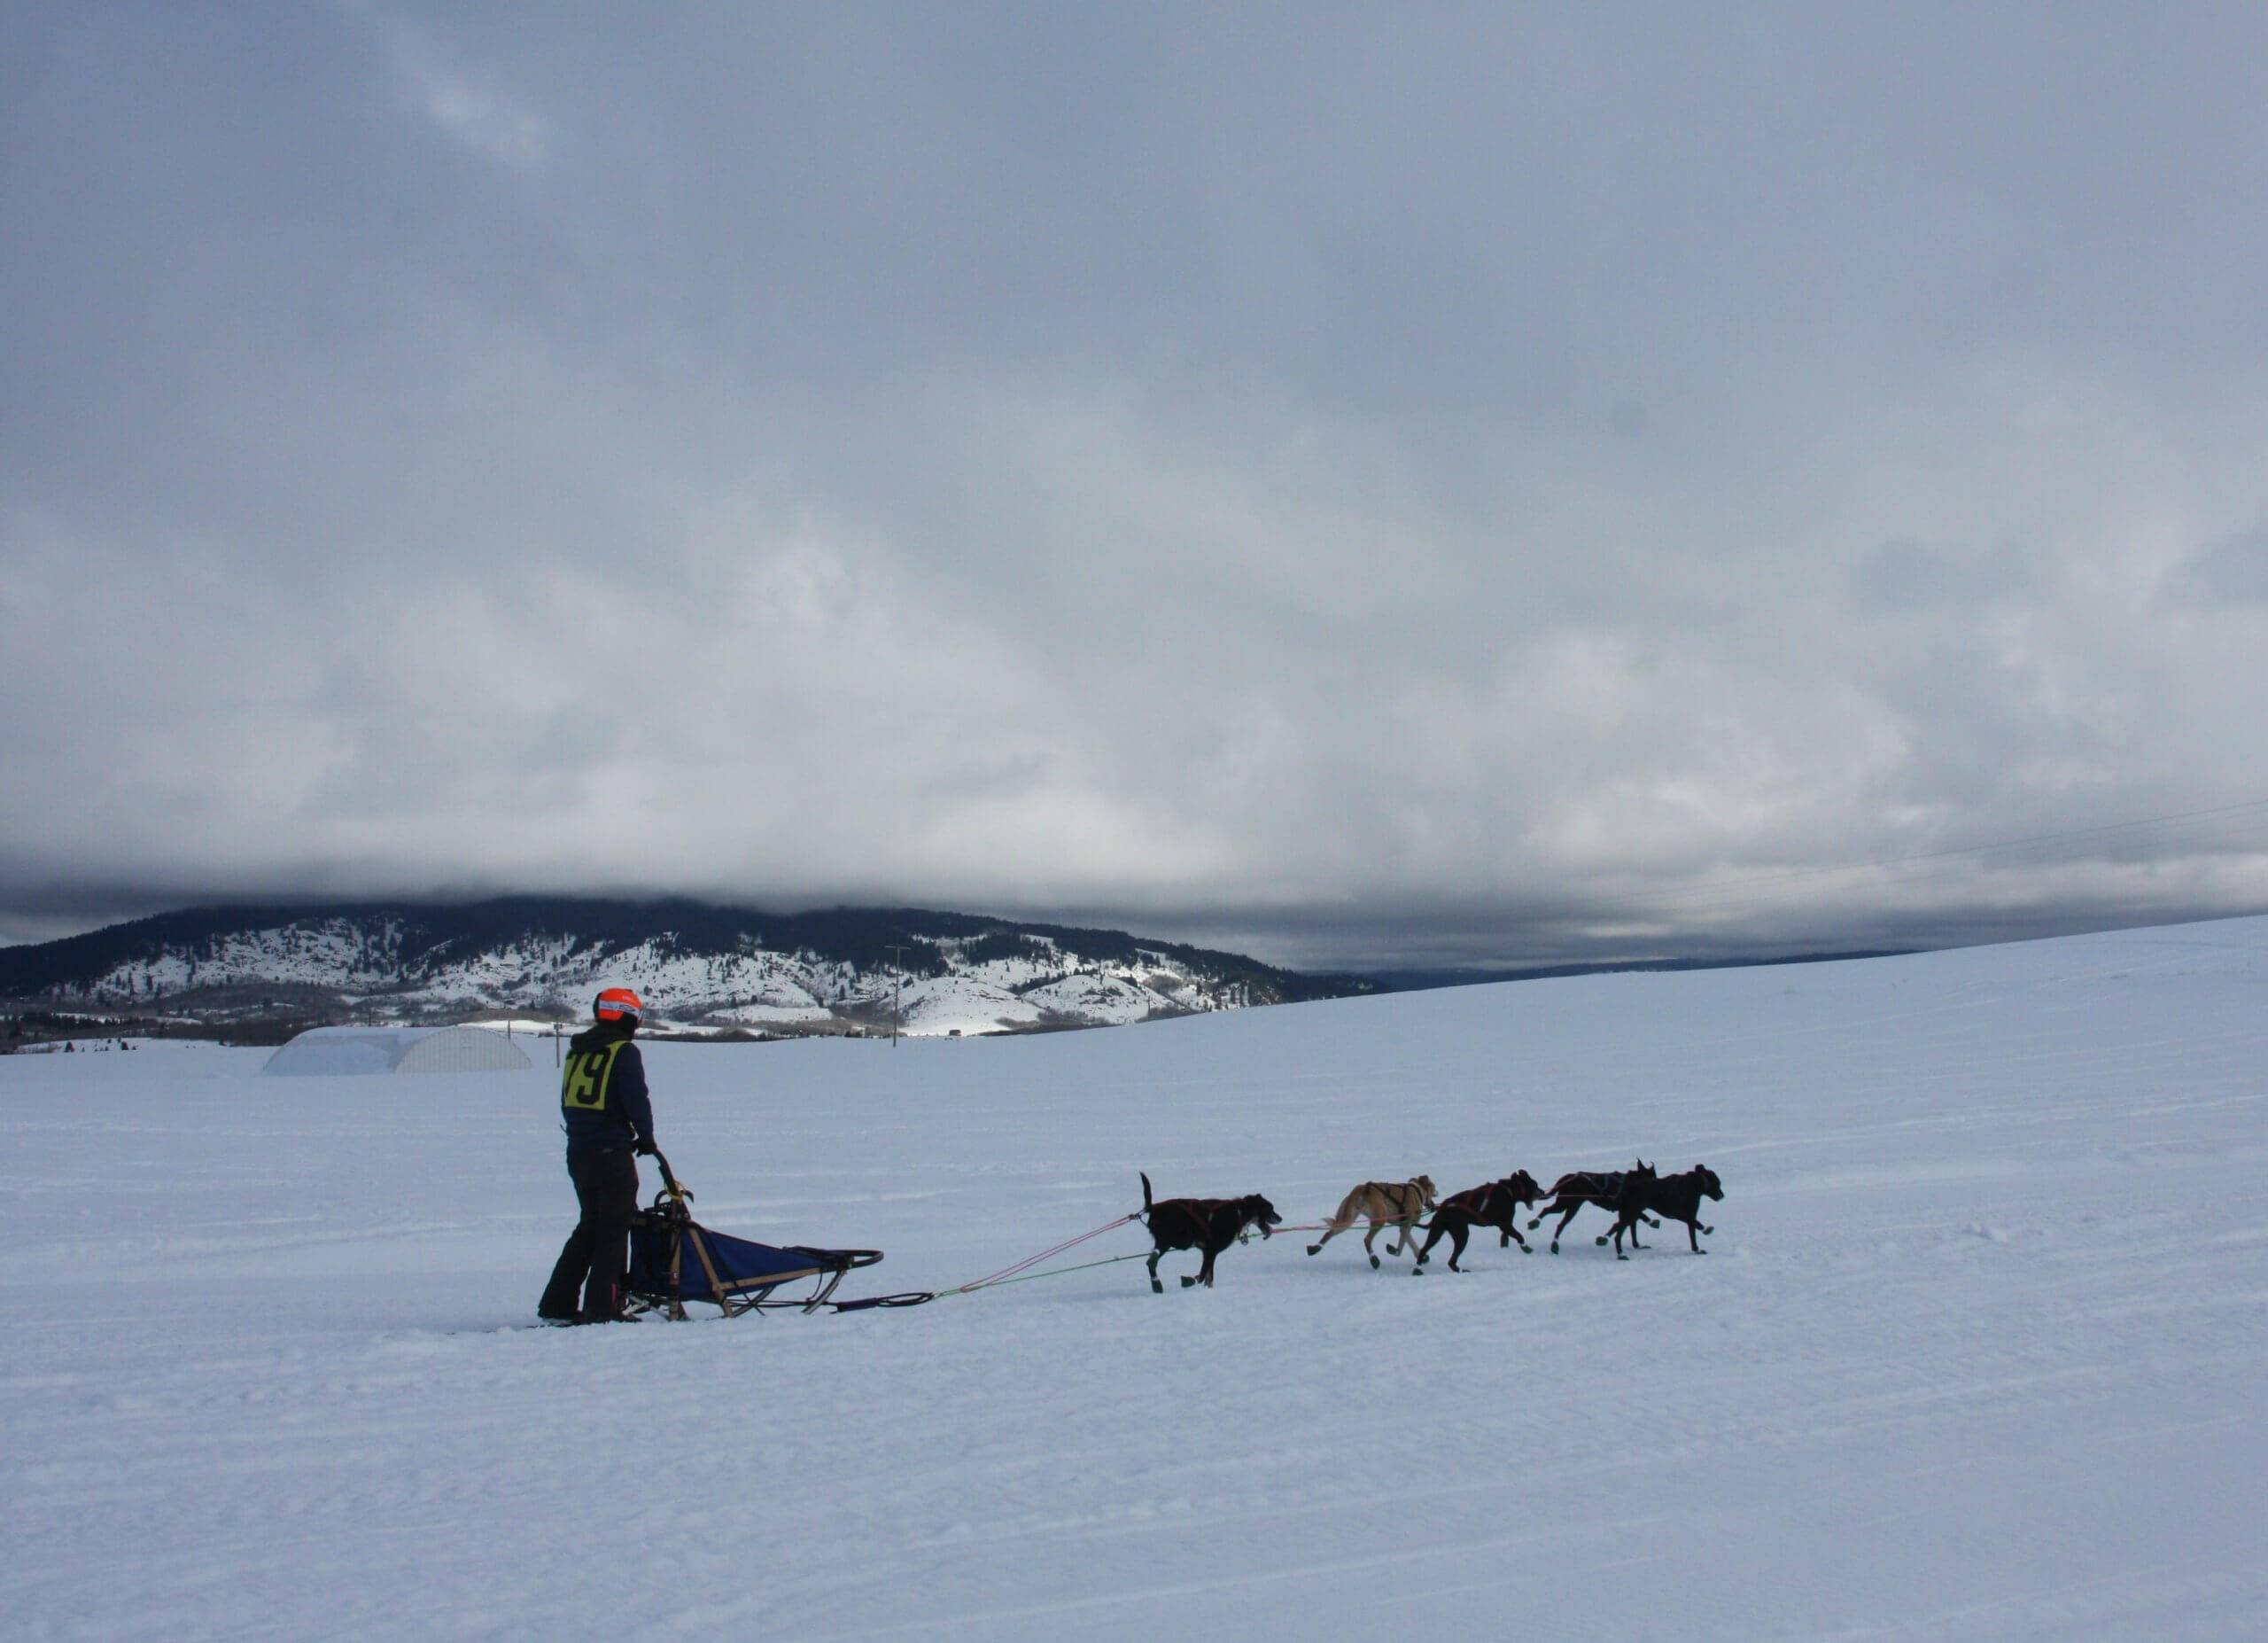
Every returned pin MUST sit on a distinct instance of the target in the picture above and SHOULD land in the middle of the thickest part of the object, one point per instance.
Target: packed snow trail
(1977, 1351)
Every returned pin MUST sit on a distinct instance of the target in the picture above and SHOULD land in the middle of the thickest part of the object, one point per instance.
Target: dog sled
(675, 1262)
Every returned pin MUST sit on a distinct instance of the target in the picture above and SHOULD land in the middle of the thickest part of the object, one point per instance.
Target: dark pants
(598, 1250)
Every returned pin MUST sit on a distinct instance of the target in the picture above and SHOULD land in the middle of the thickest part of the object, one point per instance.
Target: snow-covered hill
(947, 973)
(1976, 1352)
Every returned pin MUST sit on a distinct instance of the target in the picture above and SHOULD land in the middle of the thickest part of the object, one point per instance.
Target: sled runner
(674, 1260)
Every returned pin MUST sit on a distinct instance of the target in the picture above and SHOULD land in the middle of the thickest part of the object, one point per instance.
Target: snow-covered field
(1980, 1349)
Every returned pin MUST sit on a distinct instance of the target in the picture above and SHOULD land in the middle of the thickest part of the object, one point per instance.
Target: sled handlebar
(669, 1182)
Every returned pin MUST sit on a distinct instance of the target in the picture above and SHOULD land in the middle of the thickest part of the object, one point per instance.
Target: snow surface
(1977, 1351)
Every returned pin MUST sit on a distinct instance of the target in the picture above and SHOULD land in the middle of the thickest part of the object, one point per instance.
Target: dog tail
(1145, 1193)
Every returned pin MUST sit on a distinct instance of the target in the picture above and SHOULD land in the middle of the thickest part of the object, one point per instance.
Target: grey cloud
(2230, 573)
(1903, 576)
(1193, 463)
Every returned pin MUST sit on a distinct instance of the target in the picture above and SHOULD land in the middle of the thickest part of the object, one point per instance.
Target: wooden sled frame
(734, 1297)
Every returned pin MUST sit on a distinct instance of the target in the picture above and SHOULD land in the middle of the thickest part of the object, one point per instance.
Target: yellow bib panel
(583, 1084)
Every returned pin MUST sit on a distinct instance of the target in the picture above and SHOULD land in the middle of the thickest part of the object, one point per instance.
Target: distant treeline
(1425, 980)
(44, 1026)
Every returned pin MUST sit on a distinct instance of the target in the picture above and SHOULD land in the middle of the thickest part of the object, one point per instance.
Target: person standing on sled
(604, 1109)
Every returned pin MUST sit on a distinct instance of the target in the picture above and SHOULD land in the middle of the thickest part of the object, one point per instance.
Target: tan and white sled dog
(1397, 1204)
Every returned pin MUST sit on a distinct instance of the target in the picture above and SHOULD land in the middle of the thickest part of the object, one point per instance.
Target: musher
(604, 1109)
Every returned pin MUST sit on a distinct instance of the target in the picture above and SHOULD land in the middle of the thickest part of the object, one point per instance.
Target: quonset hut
(328, 1051)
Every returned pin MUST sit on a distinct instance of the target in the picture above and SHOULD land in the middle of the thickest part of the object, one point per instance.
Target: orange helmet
(619, 1004)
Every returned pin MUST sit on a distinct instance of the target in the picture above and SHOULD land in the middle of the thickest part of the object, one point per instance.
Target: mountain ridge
(835, 969)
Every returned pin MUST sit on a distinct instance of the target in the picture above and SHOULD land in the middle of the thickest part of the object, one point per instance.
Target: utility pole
(897, 993)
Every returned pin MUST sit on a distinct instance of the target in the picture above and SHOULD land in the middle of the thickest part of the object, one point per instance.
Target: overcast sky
(1372, 484)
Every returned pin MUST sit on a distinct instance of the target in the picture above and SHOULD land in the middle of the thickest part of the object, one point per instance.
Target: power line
(897, 992)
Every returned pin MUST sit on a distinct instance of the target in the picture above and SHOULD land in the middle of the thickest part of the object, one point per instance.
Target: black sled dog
(1495, 1203)
(1210, 1225)
(1673, 1197)
(1572, 1191)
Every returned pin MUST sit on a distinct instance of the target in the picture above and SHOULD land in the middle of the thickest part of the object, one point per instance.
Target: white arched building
(326, 1051)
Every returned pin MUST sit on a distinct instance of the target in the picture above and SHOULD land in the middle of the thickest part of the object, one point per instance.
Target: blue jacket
(602, 1101)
